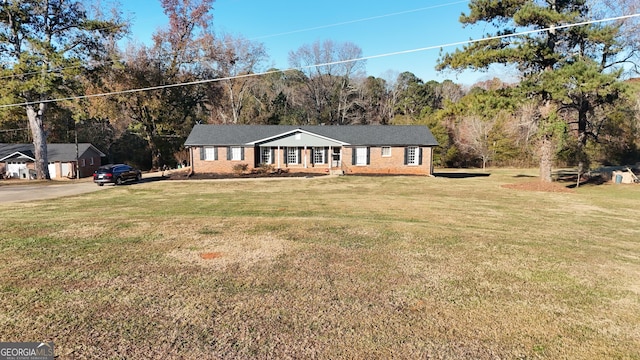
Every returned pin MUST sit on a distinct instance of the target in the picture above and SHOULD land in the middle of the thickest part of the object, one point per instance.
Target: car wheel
(138, 177)
(100, 184)
(118, 181)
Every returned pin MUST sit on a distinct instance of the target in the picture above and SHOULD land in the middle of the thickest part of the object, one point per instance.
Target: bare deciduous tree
(330, 69)
(234, 59)
(473, 137)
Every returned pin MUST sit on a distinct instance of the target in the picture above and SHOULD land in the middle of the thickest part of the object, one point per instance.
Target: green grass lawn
(333, 267)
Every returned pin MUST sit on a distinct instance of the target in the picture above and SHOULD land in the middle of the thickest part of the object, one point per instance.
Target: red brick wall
(378, 164)
(222, 165)
(393, 164)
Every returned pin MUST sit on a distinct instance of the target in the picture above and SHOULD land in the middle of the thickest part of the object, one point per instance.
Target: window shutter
(326, 156)
(228, 152)
(242, 153)
(312, 154)
(406, 156)
(420, 157)
(202, 152)
(285, 153)
(215, 153)
(273, 159)
(368, 156)
(299, 155)
(353, 156)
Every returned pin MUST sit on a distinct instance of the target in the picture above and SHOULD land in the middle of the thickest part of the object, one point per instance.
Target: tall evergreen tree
(569, 69)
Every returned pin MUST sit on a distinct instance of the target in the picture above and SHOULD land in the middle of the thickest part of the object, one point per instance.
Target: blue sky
(377, 27)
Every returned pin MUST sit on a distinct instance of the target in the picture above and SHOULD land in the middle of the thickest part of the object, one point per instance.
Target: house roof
(354, 135)
(55, 152)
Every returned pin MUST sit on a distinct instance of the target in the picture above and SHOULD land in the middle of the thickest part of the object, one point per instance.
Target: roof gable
(55, 152)
(19, 155)
(298, 137)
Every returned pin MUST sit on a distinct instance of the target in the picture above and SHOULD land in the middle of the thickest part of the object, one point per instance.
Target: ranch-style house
(353, 149)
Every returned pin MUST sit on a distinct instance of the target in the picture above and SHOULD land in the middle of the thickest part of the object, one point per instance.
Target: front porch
(325, 159)
(300, 151)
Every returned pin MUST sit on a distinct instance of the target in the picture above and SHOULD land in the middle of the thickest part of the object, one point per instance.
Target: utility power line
(38, 72)
(359, 20)
(204, 81)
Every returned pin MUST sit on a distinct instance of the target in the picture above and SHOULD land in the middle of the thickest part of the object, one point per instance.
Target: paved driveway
(55, 189)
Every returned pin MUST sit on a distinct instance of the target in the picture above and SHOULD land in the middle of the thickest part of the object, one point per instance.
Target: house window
(82, 162)
(292, 155)
(361, 156)
(265, 156)
(91, 161)
(318, 155)
(236, 153)
(386, 151)
(413, 155)
(210, 153)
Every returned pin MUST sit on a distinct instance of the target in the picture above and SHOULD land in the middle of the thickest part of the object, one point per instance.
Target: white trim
(319, 150)
(267, 151)
(23, 156)
(295, 153)
(287, 133)
(235, 150)
(209, 150)
(361, 155)
(416, 155)
(382, 151)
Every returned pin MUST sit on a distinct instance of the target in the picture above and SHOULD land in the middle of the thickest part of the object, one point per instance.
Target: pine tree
(568, 69)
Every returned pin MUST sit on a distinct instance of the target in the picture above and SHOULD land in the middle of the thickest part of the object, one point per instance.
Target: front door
(336, 157)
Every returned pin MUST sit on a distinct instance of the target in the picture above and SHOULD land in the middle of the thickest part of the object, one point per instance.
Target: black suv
(116, 174)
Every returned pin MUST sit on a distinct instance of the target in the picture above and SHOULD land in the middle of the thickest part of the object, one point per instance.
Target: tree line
(64, 62)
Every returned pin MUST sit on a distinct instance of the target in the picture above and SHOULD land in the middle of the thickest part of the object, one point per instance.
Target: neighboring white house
(18, 160)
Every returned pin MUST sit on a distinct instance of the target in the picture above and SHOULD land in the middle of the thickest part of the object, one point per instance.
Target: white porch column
(305, 157)
(278, 155)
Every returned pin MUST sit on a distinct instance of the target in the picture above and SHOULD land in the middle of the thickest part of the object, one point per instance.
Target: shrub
(265, 169)
(240, 169)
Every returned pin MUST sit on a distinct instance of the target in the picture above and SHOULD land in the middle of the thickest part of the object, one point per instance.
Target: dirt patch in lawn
(210, 255)
(539, 186)
(240, 250)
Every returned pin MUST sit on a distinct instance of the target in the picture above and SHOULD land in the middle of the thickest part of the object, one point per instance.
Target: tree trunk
(35, 117)
(546, 158)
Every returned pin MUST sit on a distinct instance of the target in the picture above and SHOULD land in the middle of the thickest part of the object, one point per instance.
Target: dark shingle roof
(357, 135)
(55, 152)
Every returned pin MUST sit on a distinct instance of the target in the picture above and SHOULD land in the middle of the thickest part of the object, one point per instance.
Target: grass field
(329, 268)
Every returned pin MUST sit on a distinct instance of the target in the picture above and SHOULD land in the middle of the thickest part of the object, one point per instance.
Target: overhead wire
(272, 35)
(204, 81)
(359, 20)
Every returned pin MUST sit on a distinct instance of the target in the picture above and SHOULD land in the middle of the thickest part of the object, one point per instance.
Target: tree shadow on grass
(460, 175)
(593, 180)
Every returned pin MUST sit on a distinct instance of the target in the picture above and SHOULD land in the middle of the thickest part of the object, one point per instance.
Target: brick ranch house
(18, 160)
(354, 149)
